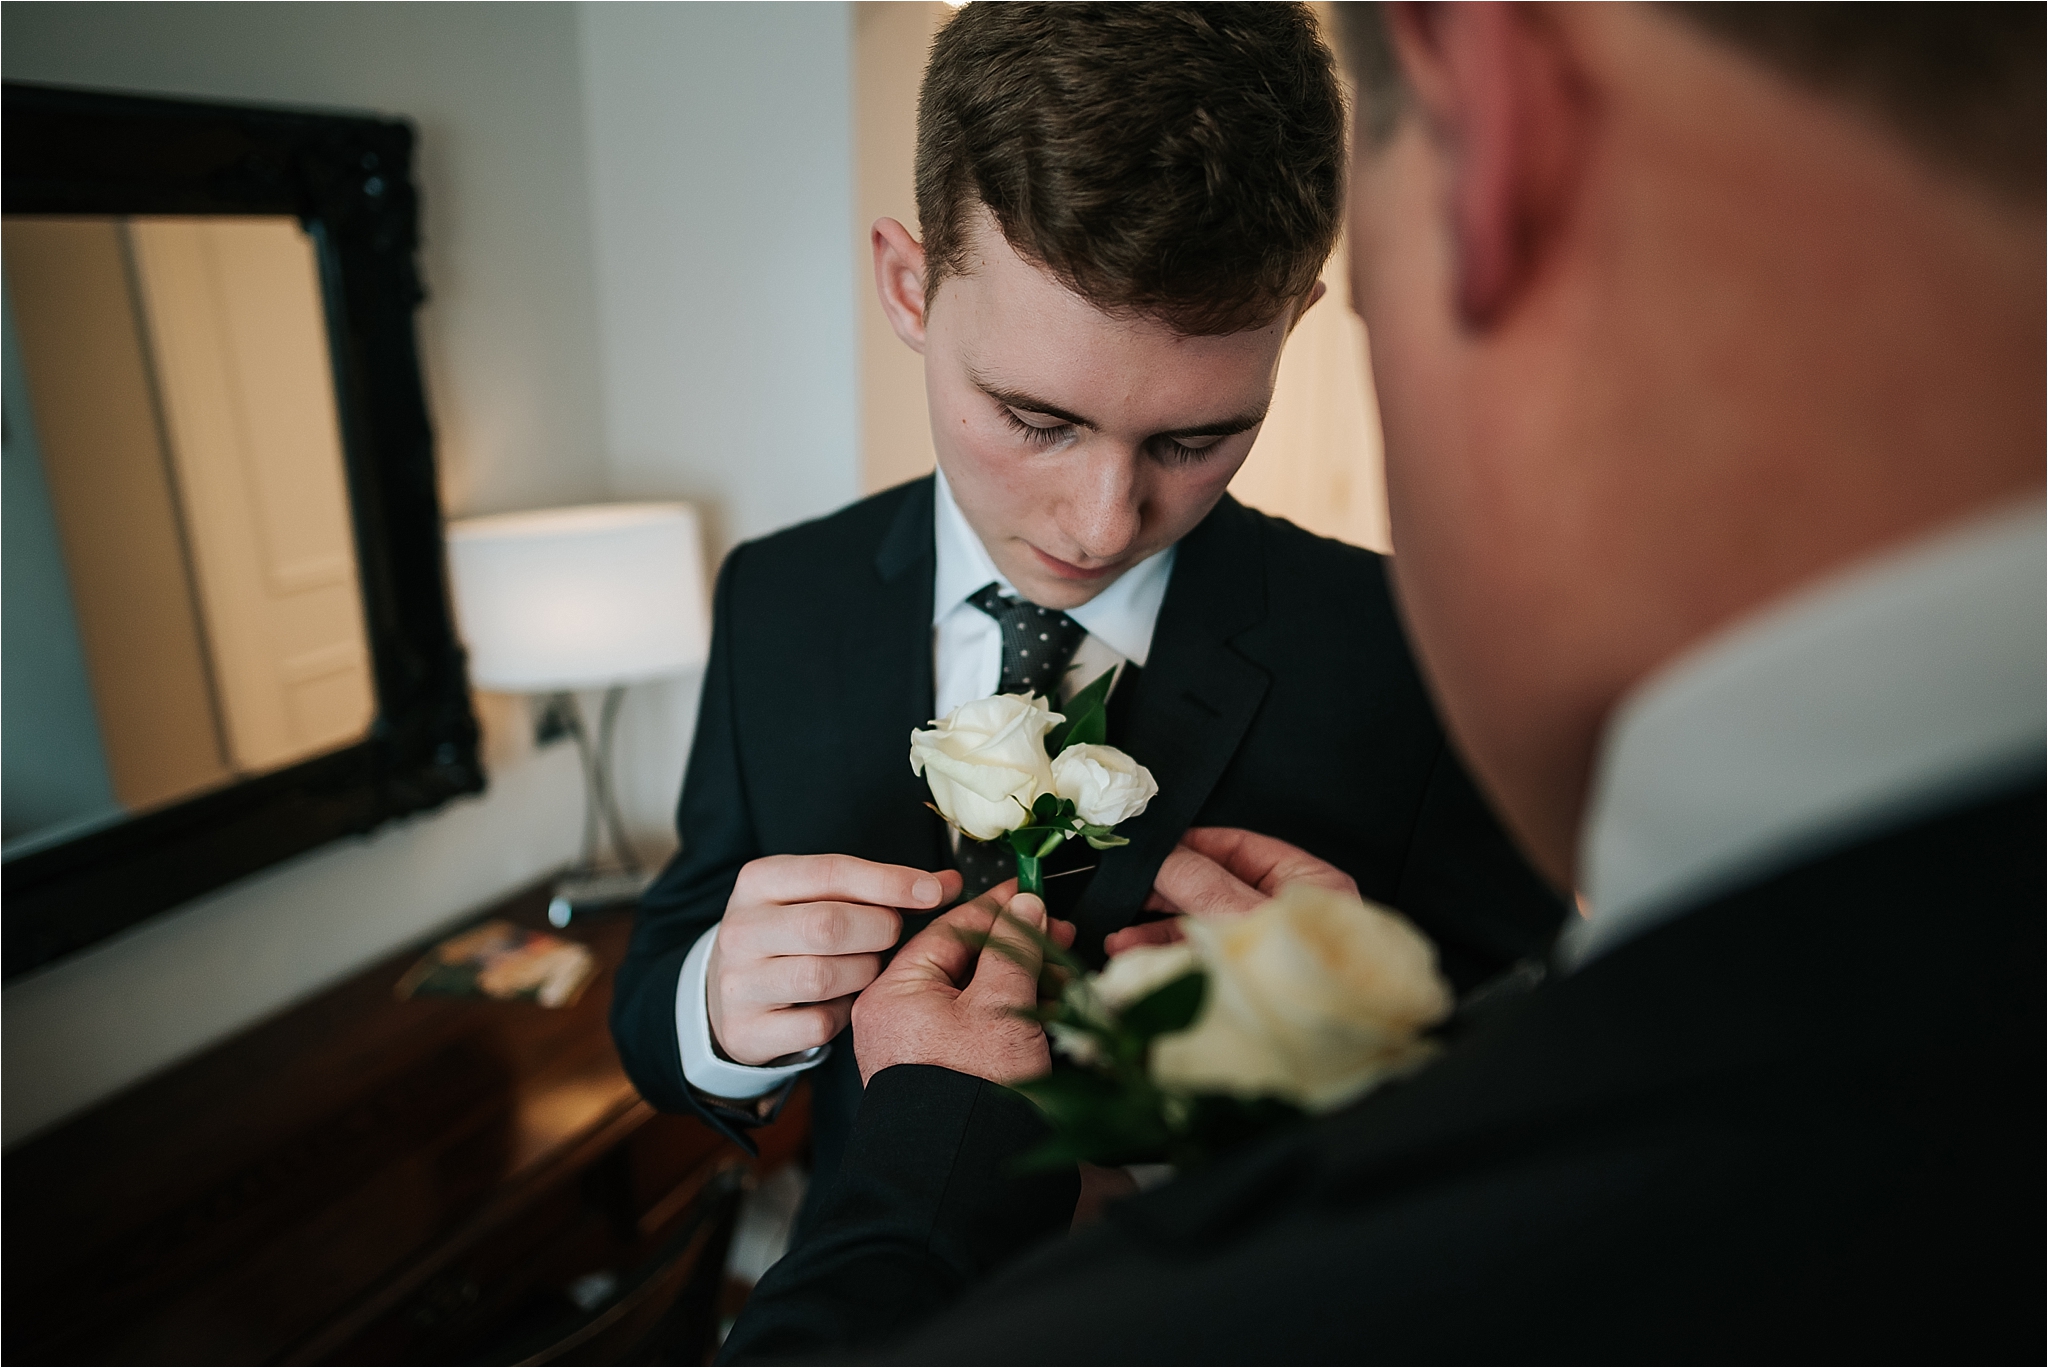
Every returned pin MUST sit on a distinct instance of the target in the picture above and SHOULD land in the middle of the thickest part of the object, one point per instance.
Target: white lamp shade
(580, 598)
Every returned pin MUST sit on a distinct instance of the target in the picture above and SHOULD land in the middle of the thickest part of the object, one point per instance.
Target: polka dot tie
(1038, 646)
(1038, 643)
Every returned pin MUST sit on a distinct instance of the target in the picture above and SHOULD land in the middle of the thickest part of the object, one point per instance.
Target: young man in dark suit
(1709, 341)
(1126, 209)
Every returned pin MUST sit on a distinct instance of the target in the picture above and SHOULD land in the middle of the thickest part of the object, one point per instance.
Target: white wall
(721, 183)
(512, 352)
(635, 248)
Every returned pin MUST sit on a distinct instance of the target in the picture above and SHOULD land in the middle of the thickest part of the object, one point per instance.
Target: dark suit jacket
(1279, 694)
(1801, 1123)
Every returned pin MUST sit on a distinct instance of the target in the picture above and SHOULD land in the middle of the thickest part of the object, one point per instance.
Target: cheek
(1419, 420)
(1181, 496)
(1446, 546)
(997, 485)
(975, 457)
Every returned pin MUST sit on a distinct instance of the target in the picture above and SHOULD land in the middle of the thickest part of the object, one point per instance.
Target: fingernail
(926, 889)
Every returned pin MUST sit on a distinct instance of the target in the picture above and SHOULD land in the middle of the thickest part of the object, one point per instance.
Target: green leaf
(1096, 1119)
(1046, 809)
(1025, 839)
(1087, 721)
(1169, 1008)
(1071, 1091)
(1107, 842)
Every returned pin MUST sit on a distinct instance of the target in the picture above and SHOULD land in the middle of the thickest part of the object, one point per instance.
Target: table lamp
(567, 599)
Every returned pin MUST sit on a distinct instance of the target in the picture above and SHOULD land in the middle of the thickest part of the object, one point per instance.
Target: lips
(1069, 571)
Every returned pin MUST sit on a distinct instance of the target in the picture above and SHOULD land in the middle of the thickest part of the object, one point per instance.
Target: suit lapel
(1195, 697)
(884, 664)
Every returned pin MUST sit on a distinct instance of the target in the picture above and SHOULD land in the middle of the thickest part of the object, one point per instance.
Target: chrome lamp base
(599, 879)
(594, 892)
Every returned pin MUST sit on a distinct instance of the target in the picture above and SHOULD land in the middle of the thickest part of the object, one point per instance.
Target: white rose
(1106, 785)
(986, 763)
(1130, 977)
(1141, 971)
(1316, 997)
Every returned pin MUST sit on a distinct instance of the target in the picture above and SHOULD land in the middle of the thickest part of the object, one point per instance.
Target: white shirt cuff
(703, 1069)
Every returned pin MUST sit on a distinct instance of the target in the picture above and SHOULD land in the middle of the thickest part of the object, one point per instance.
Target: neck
(1816, 348)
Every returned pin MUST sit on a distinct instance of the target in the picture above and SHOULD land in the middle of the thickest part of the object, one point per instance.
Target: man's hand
(941, 1001)
(802, 935)
(1223, 872)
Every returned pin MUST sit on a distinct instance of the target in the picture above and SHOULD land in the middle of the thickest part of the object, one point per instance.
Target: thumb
(939, 952)
(1007, 973)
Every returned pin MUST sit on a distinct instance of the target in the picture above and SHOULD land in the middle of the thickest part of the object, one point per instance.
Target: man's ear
(1503, 97)
(899, 280)
(1315, 292)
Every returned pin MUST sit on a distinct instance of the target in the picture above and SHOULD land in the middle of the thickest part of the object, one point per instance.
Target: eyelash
(1041, 437)
(1182, 455)
(1036, 436)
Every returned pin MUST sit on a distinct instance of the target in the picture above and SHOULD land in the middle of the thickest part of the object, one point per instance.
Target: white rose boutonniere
(985, 762)
(1105, 785)
(1179, 1051)
(1010, 768)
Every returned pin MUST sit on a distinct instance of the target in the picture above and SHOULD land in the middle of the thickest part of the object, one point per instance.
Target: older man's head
(1673, 309)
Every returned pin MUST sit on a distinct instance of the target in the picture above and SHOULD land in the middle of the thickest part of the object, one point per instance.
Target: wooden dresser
(365, 1180)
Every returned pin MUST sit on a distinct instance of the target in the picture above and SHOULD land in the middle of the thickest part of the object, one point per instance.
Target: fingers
(1249, 856)
(996, 898)
(1100, 1187)
(944, 950)
(1006, 974)
(767, 1036)
(1264, 862)
(843, 878)
(914, 1013)
(794, 979)
(1063, 933)
(819, 928)
(1196, 883)
(1144, 933)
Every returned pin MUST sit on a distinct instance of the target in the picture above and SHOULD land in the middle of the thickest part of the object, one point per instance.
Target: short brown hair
(1177, 161)
(1962, 82)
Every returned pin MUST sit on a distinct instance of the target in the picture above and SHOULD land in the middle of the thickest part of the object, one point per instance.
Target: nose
(1105, 505)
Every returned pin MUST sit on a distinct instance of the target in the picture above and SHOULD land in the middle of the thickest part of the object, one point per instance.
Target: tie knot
(1038, 643)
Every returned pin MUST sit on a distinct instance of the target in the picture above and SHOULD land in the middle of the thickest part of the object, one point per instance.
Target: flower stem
(1029, 879)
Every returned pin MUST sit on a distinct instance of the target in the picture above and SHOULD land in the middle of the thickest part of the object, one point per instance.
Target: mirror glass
(182, 607)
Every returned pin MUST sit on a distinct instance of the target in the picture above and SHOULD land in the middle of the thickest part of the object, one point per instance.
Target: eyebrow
(1017, 399)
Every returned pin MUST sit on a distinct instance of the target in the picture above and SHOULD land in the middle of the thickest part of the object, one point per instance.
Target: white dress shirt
(967, 662)
(1899, 688)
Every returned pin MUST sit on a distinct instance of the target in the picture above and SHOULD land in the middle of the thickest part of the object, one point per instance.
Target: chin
(1048, 588)
(1049, 592)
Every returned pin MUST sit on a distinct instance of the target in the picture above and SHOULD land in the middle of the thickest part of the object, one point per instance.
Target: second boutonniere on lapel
(1009, 768)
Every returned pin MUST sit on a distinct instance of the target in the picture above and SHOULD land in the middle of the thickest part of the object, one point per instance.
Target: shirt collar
(1904, 686)
(1122, 616)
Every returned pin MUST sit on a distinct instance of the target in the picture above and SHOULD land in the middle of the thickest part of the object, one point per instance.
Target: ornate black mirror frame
(349, 181)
